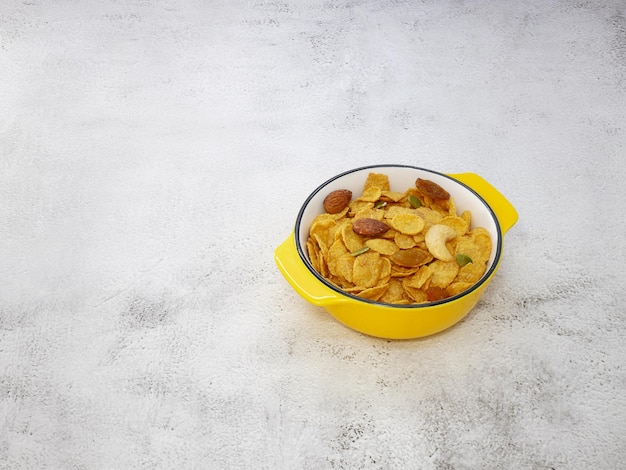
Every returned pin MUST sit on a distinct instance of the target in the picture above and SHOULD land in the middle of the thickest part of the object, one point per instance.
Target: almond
(337, 201)
(369, 227)
(432, 189)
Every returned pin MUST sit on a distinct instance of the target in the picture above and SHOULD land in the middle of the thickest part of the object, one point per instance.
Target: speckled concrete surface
(154, 153)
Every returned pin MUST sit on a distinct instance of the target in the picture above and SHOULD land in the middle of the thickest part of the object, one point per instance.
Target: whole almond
(369, 227)
(337, 201)
(432, 189)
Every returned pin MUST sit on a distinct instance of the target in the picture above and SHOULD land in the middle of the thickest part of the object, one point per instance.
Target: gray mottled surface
(154, 153)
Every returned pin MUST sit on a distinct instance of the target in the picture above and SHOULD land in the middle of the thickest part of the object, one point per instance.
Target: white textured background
(153, 154)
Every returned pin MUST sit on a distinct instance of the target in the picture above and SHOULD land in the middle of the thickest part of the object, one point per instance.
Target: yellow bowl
(489, 209)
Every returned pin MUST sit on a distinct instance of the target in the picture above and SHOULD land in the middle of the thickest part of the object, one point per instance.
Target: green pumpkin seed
(360, 251)
(414, 201)
(462, 260)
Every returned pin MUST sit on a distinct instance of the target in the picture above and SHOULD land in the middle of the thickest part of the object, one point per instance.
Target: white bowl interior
(401, 178)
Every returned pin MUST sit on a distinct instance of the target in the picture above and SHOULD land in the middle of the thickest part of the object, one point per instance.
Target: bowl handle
(299, 276)
(505, 212)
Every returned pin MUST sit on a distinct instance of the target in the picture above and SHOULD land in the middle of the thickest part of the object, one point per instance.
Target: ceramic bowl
(489, 209)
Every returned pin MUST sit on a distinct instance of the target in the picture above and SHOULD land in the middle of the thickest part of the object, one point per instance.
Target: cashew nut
(436, 238)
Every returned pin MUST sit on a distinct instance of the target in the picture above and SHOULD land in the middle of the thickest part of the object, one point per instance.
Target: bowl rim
(485, 277)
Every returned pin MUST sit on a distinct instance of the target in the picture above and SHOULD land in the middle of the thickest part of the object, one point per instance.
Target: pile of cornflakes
(397, 247)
